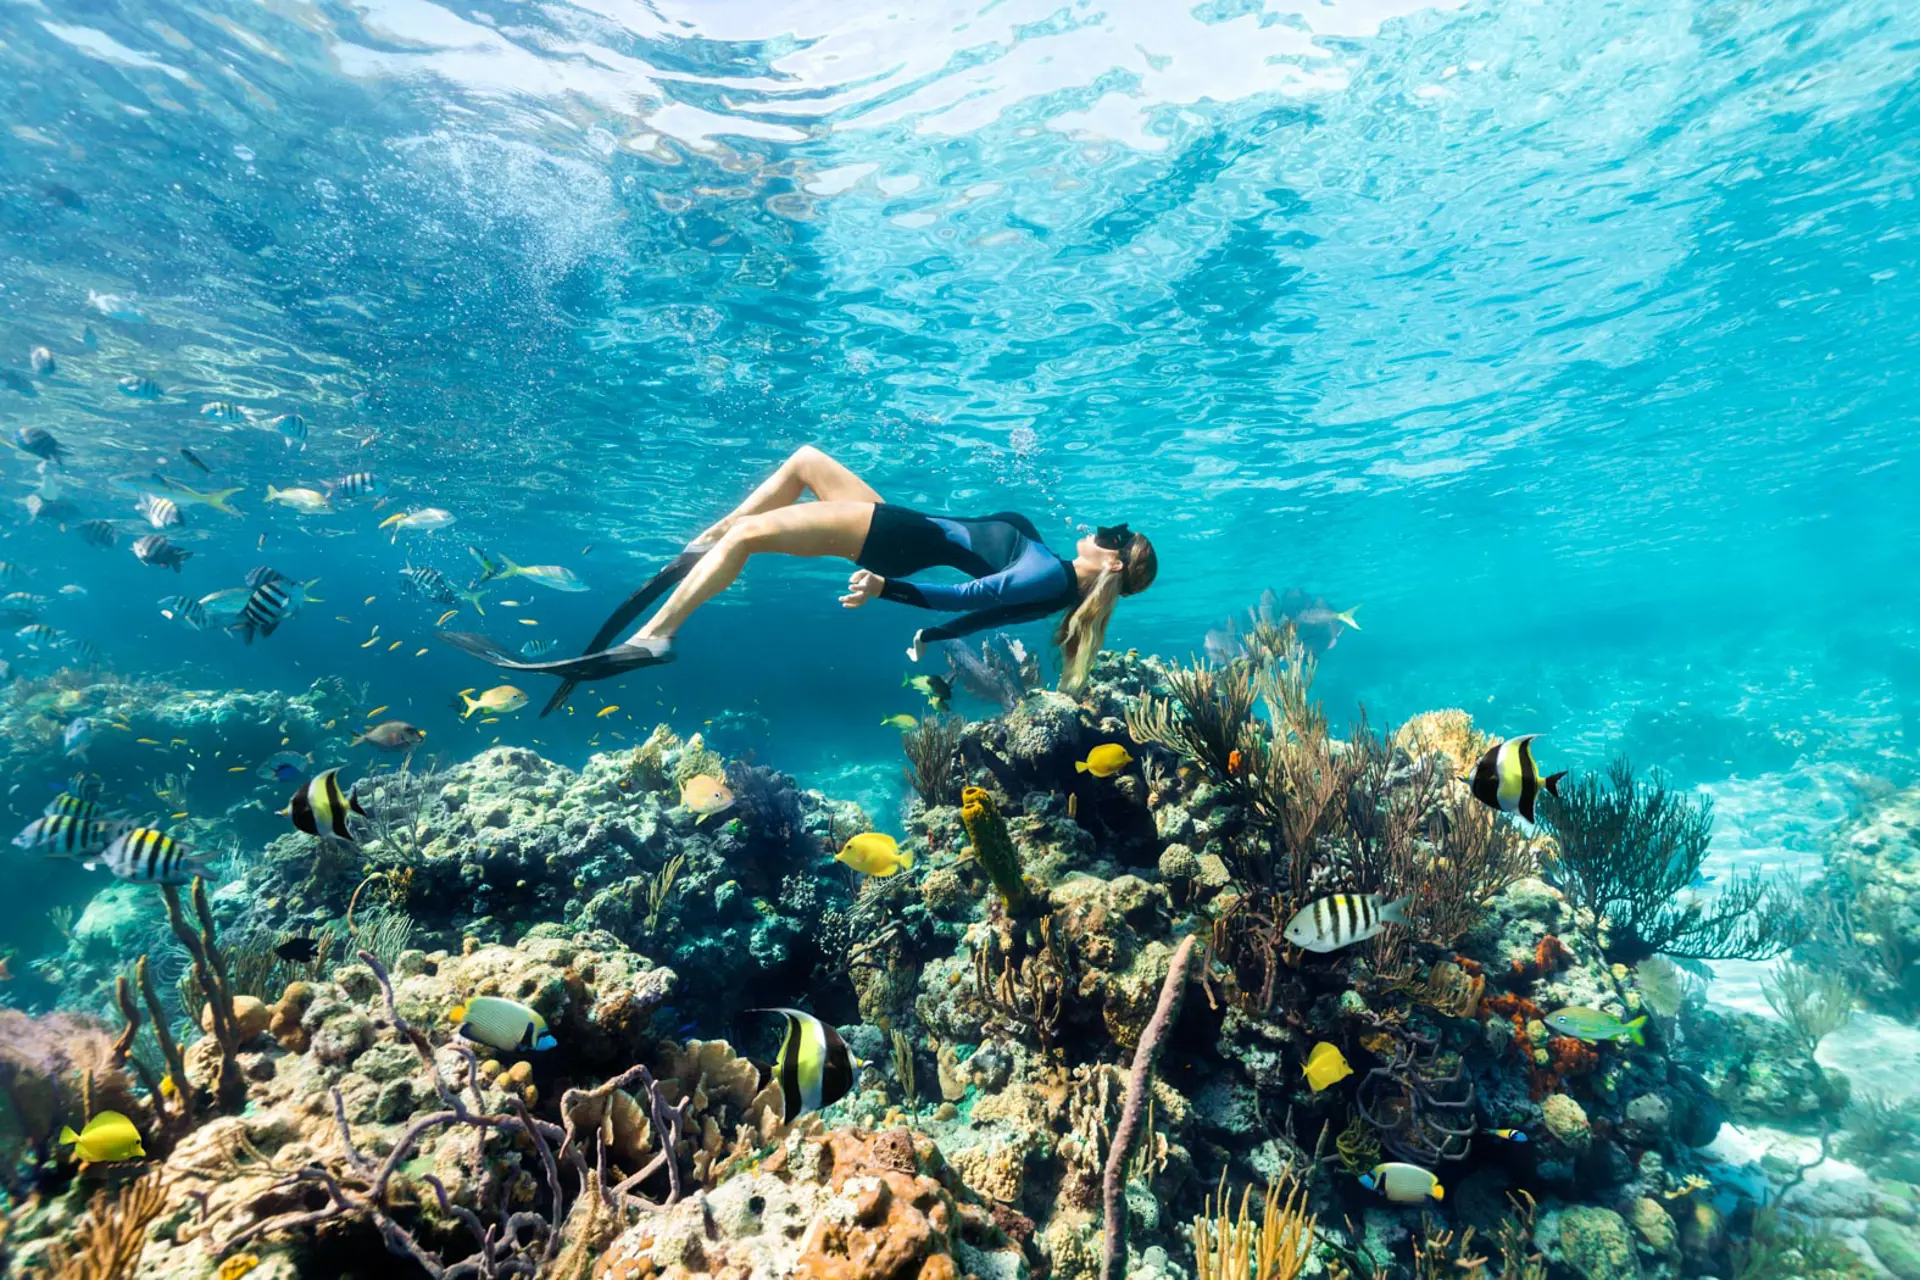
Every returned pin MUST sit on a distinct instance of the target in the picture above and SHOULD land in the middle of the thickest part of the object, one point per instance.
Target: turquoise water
(1573, 343)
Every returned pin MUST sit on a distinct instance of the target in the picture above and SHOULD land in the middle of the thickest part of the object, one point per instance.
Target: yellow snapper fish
(1342, 920)
(310, 502)
(901, 722)
(1326, 1065)
(502, 1024)
(552, 576)
(1506, 778)
(1104, 760)
(423, 520)
(108, 1137)
(500, 698)
(705, 795)
(876, 854)
(1403, 1183)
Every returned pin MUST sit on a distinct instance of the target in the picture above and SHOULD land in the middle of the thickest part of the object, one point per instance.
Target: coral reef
(1073, 1024)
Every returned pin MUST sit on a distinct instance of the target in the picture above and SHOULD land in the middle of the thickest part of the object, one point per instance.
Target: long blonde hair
(1084, 630)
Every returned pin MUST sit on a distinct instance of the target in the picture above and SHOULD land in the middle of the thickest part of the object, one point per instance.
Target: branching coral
(1628, 852)
(1813, 1004)
(1207, 715)
(356, 1187)
(108, 1246)
(933, 757)
(1002, 672)
(1419, 1104)
(1022, 989)
(1230, 1246)
(216, 989)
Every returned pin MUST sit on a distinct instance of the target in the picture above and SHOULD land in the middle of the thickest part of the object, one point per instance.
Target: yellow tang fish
(1325, 1065)
(108, 1137)
(1104, 761)
(876, 854)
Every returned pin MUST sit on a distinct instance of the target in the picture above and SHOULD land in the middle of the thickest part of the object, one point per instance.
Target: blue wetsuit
(1015, 578)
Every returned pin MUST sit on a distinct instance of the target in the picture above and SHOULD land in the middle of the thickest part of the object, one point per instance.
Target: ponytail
(1084, 630)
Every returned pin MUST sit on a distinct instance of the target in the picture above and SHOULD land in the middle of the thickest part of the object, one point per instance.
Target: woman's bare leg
(806, 470)
(828, 528)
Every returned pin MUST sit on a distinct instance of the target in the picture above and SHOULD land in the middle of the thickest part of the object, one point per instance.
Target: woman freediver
(1013, 576)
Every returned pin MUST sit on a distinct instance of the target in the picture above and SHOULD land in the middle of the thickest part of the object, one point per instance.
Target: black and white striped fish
(361, 484)
(184, 609)
(223, 411)
(320, 808)
(431, 584)
(60, 835)
(9, 572)
(86, 651)
(161, 513)
(140, 388)
(1506, 777)
(274, 599)
(537, 648)
(145, 856)
(156, 550)
(98, 533)
(37, 634)
(1343, 919)
(292, 428)
(815, 1068)
(40, 442)
(73, 806)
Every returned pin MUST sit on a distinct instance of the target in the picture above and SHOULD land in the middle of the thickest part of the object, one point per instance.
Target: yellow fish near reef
(705, 795)
(876, 854)
(503, 697)
(1104, 760)
(901, 722)
(606, 711)
(503, 1024)
(1403, 1183)
(108, 1137)
(1325, 1065)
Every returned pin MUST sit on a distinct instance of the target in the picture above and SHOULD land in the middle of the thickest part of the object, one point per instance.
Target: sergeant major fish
(61, 835)
(145, 856)
(154, 549)
(184, 609)
(159, 512)
(225, 411)
(137, 387)
(1341, 920)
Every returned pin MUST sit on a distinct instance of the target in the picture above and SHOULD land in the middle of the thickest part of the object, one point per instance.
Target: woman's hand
(862, 587)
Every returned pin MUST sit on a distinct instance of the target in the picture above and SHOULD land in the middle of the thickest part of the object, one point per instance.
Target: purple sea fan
(1002, 672)
(766, 801)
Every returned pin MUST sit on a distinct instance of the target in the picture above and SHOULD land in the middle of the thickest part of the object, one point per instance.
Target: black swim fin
(588, 666)
(623, 617)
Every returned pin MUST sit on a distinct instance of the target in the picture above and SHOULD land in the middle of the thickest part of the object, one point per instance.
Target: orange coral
(1572, 1057)
(1550, 955)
